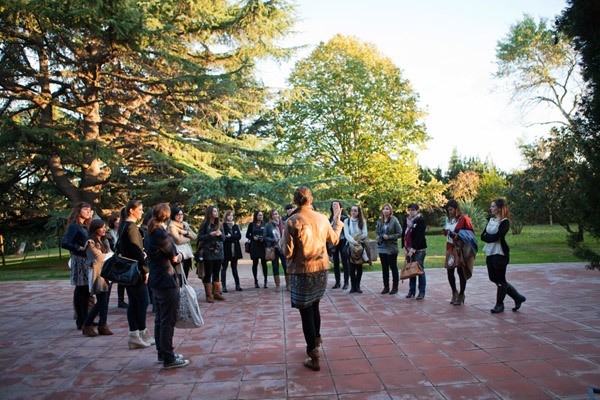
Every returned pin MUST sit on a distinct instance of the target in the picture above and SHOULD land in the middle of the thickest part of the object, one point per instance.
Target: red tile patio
(374, 346)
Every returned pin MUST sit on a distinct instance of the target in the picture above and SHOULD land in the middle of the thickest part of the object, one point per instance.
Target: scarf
(410, 222)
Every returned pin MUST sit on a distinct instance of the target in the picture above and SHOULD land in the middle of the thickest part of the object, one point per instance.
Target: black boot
(500, 295)
(516, 296)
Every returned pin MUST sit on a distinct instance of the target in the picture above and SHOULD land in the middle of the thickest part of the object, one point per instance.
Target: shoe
(103, 330)
(319, 342)
(265, 286)
(386, 290)
(312, 361)
(336, 286)
(177, 363)
(460, 299)
(410, 295)
(345, 287)
(454, 297)
(394, 288)
(217, 291)
(122, 304)
(136, 342)
(224, 290)
(352, 289)
(497, 309)
(238, 288)
(177, 357)
(420, 296)
(208, 290)
(518, 303)
(358, 290)
(88, 331)
(256, 284)
(147, 337)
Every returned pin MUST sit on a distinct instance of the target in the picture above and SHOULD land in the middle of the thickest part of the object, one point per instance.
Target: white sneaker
(136, 342)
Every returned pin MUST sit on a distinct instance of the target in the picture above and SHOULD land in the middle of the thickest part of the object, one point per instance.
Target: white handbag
(188, 313)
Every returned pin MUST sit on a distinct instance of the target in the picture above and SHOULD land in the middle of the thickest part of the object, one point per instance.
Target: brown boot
(103, 330)
(287, 282)
(88, 331)
(312, 361)
(217, 291)
(209, 293)
(277, 283)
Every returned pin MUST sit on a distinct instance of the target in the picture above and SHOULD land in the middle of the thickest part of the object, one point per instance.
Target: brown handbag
(270, 253)
(410, 270)
(454, 257)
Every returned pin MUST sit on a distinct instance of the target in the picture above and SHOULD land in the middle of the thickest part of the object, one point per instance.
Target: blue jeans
(100, 308)
(166, 303)
(275, 262)
(412, 284)
(138, 305)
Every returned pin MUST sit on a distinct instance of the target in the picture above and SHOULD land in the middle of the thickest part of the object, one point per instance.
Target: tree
(542, 67)
(104, 100)
(579, 21)
(351, 114)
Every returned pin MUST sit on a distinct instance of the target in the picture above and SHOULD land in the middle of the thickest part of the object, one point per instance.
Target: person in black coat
(75, 240)
(232, 251)
(415, 246)
(256, 237)
(498, 255)
(162, 255)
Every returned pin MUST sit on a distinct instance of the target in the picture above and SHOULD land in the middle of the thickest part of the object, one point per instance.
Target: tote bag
(270, 253)
(188, 313)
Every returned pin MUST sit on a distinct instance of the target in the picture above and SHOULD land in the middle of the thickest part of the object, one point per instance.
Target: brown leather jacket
(305, 237)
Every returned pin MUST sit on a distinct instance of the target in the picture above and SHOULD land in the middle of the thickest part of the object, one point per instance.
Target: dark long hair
(131, 204)
(208, 218)
(94, 226)
(76, 211)
(454, 204)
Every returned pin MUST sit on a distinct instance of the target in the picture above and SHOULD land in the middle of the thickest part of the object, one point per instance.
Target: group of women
(458, 230)
(163, 252)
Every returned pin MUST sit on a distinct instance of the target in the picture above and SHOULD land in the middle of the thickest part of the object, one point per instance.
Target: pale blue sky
(446, 49)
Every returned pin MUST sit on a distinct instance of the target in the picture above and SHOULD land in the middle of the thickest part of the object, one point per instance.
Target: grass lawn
(536, 244)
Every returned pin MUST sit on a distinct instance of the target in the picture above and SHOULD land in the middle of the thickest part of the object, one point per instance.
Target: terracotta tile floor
(374, 346)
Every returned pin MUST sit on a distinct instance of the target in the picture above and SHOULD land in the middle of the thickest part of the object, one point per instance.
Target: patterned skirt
(79, 271)
(307, 288)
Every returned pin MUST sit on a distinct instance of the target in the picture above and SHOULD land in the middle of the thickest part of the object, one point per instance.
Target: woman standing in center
(182, 236)
(415, 245)
(75, 240)
(273, 234)
(96, 251)
(131, 245)
(387, 232)
(306, 236)
(256, 236)
(455, 222)
(212, 238)
(355, 231)
(162, 255)
(232, 251)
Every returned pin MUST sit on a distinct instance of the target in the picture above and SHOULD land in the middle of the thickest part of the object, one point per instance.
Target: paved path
(374, 346)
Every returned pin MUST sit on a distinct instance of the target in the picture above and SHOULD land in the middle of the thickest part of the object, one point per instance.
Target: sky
(446, 49)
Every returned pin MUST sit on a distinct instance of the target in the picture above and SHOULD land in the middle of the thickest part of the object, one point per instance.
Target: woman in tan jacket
(182, 236)
(305, 237)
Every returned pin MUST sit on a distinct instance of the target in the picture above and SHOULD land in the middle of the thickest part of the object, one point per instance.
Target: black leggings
(311, 325)
(212, 271)
(461, 278)
(265, 269)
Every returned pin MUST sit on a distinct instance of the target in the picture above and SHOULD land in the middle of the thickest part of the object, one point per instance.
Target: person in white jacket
(355, 231)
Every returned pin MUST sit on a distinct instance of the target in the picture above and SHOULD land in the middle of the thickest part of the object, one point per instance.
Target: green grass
(536, 244)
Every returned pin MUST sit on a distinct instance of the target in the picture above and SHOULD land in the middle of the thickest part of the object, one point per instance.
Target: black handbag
(121, 270)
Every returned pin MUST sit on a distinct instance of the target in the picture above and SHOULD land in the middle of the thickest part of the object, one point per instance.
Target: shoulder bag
(270, 253)
(454, 257)
(121, 270)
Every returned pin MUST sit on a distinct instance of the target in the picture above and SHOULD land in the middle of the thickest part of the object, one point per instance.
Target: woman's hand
(336, 210)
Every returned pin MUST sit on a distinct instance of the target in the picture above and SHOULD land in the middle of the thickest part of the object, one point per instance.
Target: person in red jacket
(455, 221)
